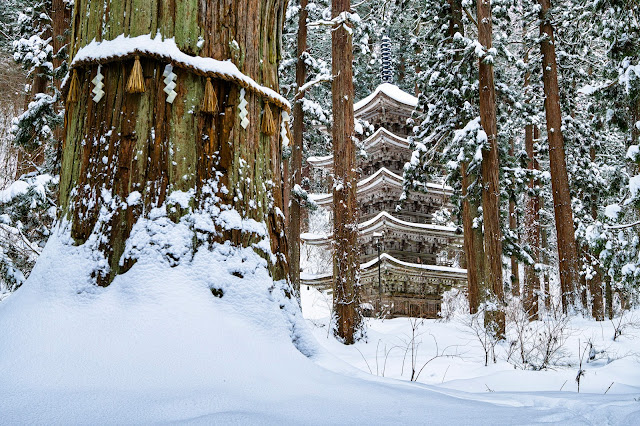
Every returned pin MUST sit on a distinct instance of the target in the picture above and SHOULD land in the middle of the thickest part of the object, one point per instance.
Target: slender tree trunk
(346, 263)
(473, 244)
(473, 247)
(595, 283)
(635, 121)
(139, 143)
(513, 226)
(490, 170)
(567, 248)
(61, 22)
(532, 233)
(296, 151)
(286, 183)
(609, 297)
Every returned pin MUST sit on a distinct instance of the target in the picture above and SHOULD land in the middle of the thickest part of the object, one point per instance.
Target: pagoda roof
(382, 177)
(391, 263)
(389, 92)
(380, 137)
(385, 221)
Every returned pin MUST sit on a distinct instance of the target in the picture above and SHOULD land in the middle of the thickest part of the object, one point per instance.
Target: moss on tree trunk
(139, 142)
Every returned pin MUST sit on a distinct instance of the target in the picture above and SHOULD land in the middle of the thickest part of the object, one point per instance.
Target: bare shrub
(537, 345)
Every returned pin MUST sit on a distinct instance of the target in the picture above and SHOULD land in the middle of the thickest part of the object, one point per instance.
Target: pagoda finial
(386, 69)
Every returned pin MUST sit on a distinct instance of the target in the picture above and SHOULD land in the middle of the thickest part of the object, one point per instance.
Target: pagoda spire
(386, 70)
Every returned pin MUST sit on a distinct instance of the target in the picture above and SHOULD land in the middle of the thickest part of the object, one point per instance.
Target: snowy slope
(158, 346)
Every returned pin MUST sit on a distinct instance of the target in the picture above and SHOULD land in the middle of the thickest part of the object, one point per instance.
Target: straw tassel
(268, 124)
(210, 101)
(136, 79)
(74, 88)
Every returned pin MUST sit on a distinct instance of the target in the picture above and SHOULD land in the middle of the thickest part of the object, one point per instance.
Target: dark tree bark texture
(532, 231)
(567, 248)
(490, 169)
(296, 150)
(346, 262)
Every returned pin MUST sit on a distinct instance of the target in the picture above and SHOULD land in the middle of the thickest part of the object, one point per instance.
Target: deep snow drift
(158, 346)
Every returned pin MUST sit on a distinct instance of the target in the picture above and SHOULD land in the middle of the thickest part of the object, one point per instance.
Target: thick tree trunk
(567, 248)
(532, 232)
(346, 263)
(490, 170)
(130, 143)
(296, 151)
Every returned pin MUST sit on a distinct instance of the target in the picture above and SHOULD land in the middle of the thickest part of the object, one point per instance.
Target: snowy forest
(320, 211)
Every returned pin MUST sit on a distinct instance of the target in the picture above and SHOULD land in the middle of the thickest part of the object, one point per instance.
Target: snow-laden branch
(319, 79)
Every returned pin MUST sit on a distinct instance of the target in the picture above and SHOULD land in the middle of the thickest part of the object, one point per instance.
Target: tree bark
(595, 283)
(473, 239)
(567, 247)
(473, 247)
(513, 226)
(532, 232)
(155, 148)
(346, 262)
(296, 151)
(490, 170)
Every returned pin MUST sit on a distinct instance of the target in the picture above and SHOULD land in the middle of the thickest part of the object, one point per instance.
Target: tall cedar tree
(296, 151)
(567, 247)
(490, 170)
(345, 221)
(155, 148)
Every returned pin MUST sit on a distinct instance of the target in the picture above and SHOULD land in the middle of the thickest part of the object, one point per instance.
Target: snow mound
(211, 340)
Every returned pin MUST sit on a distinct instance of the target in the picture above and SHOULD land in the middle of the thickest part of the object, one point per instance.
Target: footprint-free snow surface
(157, 346)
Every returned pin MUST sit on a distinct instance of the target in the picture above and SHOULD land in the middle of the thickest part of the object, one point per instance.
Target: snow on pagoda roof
(382, 176)
(390, 90)
(387, 259)
(380, 221)
(381, 135)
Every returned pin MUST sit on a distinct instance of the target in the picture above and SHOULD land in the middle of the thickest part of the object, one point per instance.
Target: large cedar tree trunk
(567, 248)
(490, 170)
(296, 151)
(346, 263)
(139, 142)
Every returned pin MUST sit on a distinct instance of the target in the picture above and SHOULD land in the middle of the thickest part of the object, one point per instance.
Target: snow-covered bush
(454, 302)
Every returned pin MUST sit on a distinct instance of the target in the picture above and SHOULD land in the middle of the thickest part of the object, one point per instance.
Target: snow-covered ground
(459, 356)
(157, 346)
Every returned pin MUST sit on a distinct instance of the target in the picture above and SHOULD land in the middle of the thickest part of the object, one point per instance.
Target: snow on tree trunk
(490, 168)
(473, 246)
(567, 247)
(513, 226)
(296, 151)
(135, 156)
(595, 281)
(346, 262)
(532, 232)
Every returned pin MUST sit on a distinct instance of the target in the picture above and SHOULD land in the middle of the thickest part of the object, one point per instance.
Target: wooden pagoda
(407, 260)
